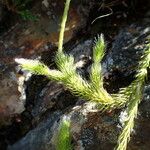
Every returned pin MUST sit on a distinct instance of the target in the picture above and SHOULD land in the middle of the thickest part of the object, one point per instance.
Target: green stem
(134, 94)
(63, 23)
(132, 111)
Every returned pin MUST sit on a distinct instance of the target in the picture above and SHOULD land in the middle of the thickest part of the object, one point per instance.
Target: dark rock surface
(54, 96)
(90, 129)
(39, 138)
(127, 48)
(48, 102)
(29, 39)
(12, 95)
(140, 137)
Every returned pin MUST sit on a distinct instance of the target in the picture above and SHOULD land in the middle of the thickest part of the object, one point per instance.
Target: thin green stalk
(63, 23)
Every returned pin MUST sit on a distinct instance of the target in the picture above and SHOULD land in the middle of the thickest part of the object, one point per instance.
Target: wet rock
(52, 97)
(82, 55)
(85, 134)
(11, 100)
(127, 49)
(140, 137)
(12, 91)
(31, 35)
(55, 96)
(39, 138)
(90, 129)
(145, 113)
(1, 12)
(28, 39)
(82, 49)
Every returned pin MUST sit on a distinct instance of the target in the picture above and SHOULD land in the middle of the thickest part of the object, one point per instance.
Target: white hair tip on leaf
(20, 60)
(30, 62)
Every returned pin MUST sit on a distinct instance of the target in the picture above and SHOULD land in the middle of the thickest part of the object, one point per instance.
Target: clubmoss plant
(133, 94)
(63, 139)
(90, 90)
(93, 89)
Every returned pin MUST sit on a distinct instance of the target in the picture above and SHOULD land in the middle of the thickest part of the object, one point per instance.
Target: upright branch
(134, 95)
(63, 24)
(93, 89)
(96, 70)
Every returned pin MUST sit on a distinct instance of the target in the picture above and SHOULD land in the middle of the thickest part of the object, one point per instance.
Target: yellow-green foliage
(63, 139)
(134, 96)
(93, 89)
